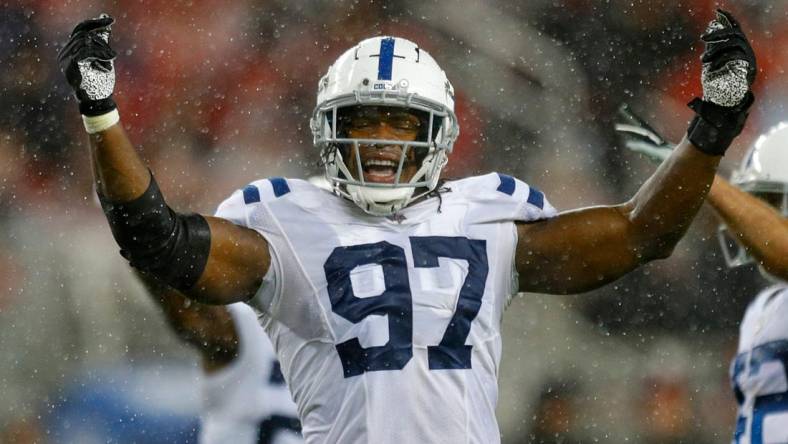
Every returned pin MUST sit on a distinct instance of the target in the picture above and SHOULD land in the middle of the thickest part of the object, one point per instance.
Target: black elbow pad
(173, 247)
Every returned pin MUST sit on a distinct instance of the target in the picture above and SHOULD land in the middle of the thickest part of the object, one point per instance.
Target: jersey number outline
(764, 404)
(396, 301)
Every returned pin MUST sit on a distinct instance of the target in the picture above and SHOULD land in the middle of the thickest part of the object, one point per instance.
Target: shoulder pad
(235, 207)
(265, 190)
(297, 191)
(501, 197)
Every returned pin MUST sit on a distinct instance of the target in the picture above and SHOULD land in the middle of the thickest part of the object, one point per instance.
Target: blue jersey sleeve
(233, 209)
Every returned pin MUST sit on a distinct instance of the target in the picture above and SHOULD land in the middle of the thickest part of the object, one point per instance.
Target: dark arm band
(93, 108)
(155, 239)
(714, 127)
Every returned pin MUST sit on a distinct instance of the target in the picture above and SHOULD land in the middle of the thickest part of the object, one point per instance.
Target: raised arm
(209, 259)
(583, 249)
(758, 225)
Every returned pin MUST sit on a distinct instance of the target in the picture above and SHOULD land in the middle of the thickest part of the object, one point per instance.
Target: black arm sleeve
(173, 247)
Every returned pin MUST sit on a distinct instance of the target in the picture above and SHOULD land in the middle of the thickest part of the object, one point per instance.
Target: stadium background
(216, 94)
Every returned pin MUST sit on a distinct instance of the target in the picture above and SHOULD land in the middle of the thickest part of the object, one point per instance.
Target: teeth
(383, 163)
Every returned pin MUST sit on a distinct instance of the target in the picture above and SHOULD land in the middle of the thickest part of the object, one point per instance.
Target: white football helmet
(390, 72)
(763, 172)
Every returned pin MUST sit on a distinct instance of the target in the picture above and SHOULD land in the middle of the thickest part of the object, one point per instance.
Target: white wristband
(94, 124)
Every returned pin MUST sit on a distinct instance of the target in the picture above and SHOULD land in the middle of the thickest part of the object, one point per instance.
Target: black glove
(640, 137)
(87, 62)
(728, 73)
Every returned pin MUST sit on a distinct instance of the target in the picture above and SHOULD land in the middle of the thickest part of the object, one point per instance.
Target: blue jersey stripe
(280, 186)
(386, 58)
(536, 198)
(507, 184)
(251, 194)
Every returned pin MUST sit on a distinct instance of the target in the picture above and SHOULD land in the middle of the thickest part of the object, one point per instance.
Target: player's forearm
(209, 329)
(119, 172)
(663, 208)
(88, 62)
(757, 225)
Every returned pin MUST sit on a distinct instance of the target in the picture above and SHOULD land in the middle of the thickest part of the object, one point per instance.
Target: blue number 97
(395, 301)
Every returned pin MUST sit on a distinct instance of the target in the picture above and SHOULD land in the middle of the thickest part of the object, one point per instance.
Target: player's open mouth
(380, 170)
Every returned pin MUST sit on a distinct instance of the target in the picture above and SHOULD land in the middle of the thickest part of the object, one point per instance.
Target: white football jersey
(388, 329)
(760, 371)
(248, 402)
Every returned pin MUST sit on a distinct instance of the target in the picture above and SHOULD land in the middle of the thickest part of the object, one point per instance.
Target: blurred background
(216, 94)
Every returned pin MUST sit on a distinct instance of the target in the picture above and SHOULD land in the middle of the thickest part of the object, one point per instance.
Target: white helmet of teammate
(763, 172)
(391, 72)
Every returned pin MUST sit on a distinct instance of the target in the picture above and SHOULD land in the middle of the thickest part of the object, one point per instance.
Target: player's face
(380, 162)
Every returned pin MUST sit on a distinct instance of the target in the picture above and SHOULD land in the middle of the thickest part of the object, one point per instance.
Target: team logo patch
(402, 85)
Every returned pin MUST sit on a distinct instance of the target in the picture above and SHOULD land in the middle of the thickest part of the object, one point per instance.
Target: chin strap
(380, 201)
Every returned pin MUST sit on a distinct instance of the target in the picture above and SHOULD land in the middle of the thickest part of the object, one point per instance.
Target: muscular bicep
(237, 262)
(576, 251)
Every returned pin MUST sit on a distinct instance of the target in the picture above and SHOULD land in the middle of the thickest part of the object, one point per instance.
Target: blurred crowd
(216, 94)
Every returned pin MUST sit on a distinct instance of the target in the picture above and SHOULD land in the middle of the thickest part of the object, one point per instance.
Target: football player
(384, 298)
(754, 207)
(244, 396)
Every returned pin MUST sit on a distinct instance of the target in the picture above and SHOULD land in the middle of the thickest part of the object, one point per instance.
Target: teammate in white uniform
(247, 401)
(384, 298)
(244, 396)
(755, 208)
(759, 373)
